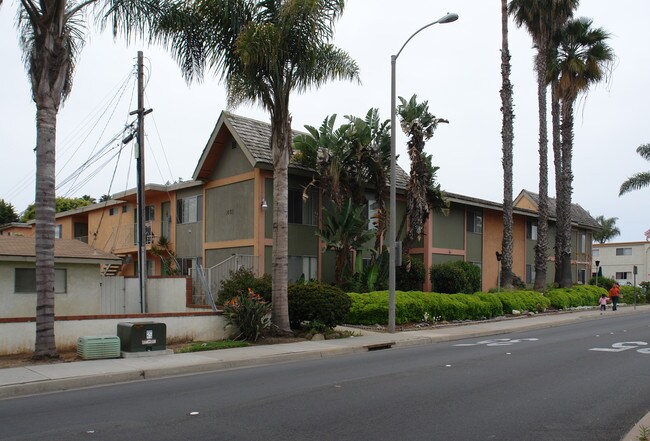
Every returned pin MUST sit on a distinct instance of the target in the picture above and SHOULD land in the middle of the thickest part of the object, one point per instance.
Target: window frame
(28, 285)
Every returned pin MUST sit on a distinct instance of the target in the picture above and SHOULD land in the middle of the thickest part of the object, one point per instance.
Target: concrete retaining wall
(17, 335)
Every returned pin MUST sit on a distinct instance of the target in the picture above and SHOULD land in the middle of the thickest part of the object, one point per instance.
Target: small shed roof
(18, 248)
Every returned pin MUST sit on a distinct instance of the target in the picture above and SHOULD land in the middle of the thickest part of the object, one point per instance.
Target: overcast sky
(455, 67)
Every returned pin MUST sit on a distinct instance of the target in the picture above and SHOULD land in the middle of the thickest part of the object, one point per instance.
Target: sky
(454, 66)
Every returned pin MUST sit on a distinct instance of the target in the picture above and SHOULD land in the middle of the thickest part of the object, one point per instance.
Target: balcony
(125, 237)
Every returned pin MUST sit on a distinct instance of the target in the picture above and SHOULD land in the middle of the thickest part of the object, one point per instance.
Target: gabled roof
(19, 248)
(579, 215)
(254, 138)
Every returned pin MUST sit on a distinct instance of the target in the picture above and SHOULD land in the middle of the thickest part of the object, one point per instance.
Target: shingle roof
(256, 137)
(578, 214)
(12, 247)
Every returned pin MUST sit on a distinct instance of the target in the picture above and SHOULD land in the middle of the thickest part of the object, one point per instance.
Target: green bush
(579, 295)
(240, 281)
(456, 277)
(603, 282)
(628, 294)
(412, 306)
(317, 302)
(249, 313)
(411, 279)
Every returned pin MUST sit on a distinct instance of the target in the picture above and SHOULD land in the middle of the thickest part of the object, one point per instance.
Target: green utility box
(95, 347)
(142, 336)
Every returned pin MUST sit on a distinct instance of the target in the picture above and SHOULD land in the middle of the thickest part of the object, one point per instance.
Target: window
(112, 211)
(149, 212)
(622, 276)
(474, 222)
(530, 274)
(189, 210)
(595, 252)
(58, 231)
(582, 242)
(372, 212)
(531, 230)
(582, 276)
(303, 211)
(125, 208)
(304, 267)
(623, 251)
(25, 280)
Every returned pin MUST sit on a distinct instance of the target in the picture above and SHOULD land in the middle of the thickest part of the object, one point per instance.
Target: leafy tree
(52, 34)
(507, 139)
(541, 18)
(105, 197)
(7, 213)
(62, 204)
(264, 50)
(344, 230)
(608, 229)
(638, 180)
(581, 58)
(423, 193)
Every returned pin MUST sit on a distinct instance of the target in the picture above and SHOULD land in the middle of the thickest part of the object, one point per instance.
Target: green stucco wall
(449, 231)
(232, 162)
(228, 212)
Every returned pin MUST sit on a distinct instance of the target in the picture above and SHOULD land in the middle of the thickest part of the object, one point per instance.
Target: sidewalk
(63, 376)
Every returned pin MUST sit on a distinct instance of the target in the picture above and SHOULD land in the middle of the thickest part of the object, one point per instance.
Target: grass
(213, 345)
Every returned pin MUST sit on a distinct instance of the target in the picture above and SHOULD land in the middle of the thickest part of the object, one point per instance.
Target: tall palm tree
(52, 36)
(608, 229)
(638, 180)
(541, 18)
(264, 50)
(581, 58)
(423, 193)
(507, 139)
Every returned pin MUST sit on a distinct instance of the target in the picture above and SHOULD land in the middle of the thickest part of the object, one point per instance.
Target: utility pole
(140, 199)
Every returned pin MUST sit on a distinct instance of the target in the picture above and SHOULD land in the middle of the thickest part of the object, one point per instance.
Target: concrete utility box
(142, 336)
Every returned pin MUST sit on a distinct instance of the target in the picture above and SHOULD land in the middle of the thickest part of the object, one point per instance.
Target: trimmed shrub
(412, 279)
(317, 302)
(628, 294)
(456, 277)
(603, 282)
(582, 295)
(240, 282)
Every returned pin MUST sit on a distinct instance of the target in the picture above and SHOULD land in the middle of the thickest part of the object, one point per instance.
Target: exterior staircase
(110, 270)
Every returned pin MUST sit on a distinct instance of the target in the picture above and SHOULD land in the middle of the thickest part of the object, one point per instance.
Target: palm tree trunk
(280, 144)
(567, 181)
(507, 136)
(46, 112)
(542, 221)
(559, 182)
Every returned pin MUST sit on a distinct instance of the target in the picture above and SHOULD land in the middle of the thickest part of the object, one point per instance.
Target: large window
(595, 252)
(58, 229)
(302, 267)
(189, 210)
(622, 275)
(150, 213)
(303, 211)
(623, 251)
(531, 230)
(530, 274)
(25, 280)
(582, 277)
(474, 221)
(582, 242)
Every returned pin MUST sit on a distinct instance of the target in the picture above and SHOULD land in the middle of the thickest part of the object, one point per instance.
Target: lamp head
(448, 18)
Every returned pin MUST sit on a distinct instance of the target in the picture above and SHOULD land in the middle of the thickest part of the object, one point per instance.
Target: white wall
(18, 337)
(82, 296)
(612, 264)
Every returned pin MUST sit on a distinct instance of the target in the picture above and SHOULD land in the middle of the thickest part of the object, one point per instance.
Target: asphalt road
(574, 382)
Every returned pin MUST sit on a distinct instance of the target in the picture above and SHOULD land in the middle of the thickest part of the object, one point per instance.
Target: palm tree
(423, 194)
(507, 137)
(52, 35)
(348, 159)
(345, 229)
(608, 229)
(638, 180)
(541, 18)
(581, 58)
(264, 50)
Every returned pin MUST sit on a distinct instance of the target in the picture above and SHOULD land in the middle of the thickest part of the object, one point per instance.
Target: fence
(206, 283)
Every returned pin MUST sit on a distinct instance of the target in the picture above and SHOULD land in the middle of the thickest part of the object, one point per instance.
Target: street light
(499, 256)
(393, 202)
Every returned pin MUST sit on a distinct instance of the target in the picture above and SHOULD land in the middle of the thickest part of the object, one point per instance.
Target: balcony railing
(126, 236)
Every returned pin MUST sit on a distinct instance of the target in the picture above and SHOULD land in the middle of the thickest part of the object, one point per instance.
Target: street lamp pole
(393, 193)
